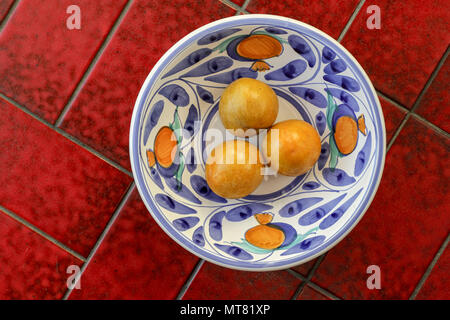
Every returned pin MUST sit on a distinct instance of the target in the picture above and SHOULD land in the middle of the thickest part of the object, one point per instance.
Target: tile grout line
(430, 268)
(93, 63)
(311, 284)
(190, 279)
(11, 11)
(68, 136)
(309, 276)
(419, 98)
(323, 291)
(103, 235)
(350, 20)
(244, 6)
(46, 236)
(392, 101)
(432, 125)
(234, 6)
(413, 114)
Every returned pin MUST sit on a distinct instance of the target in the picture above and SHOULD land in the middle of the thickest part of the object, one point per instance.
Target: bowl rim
(282, 22)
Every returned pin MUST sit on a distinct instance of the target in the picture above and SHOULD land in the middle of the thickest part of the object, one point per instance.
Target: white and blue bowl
(315, 79)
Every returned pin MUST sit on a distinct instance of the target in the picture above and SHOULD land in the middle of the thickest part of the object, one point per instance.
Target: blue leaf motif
(172, 205)
(183, 224)
(327, 55)
(324, 154)
(234, 251)
(176, 94)
(205, 95)
(290, 71)
(189, 124)
(275, 30)
(345, 82)
(318, 213)
(337, 177)
(182, 191)
(305, 245)
(153, 119)
(201, 187)
(321, 122)
(310, 95)
(245, 211)
(230, 76)
(302, 47)
(215, 225)
(345, 97)
(363, 155)
(214, 65)
(295, 207)
(338, 213)
(311, 185)
(191, 164)
(154, 175)
(189, 61)
(198, 237)
(336, 66)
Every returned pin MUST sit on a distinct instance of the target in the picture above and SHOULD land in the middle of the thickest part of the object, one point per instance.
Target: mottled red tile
(309, 293)
(56, 185)
(393, 116)
(41, 60)
(328, 16)
(136, 260)
(101, 114)
(4, 8)
(215, 282)
(435, 103)
(404, 226)
(31, 266)
(401, 55)
(437, 285)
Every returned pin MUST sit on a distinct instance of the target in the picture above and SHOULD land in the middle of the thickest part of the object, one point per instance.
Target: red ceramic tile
(393, 116)
(32, 267)
(214, 282)
(101, 114)
(4, 8)
(309, 293)
(41, 60)
(136, 260)
(405, 225)
(434, 105)
(56, 185)
(437, 285)
(328, 16)
(400, 56)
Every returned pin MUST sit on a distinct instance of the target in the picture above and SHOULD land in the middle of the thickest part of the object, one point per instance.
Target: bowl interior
(316, 80)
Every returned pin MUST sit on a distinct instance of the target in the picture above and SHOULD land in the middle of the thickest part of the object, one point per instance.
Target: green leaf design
(331, 107)
(221, 47)
(179, 173)
(176, 126)
(270, 35)
(334, 153)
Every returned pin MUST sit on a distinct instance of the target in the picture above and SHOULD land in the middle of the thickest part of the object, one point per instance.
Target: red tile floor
(68, 197)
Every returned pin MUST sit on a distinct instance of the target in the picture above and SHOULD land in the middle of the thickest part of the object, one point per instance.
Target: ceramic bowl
(316, 80)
